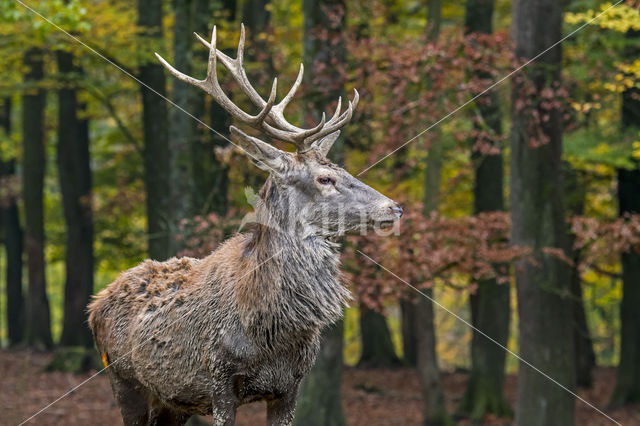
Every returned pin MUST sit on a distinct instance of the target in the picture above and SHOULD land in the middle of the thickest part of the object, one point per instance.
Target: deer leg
(224, 413)
(132, 401)
(163, 416)
(280, 411)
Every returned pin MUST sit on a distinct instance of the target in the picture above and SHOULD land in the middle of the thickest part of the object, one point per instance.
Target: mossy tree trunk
(256, 17)
(155, 123)
(38, 331)
(74, 171)
(627, 388)
(320, 397)
(408, 330)
(210, 176)
(377, 346)
(12, 232)
(182, 127)
(433, 404)
(490, 304)
(538, 221)
(575, 193)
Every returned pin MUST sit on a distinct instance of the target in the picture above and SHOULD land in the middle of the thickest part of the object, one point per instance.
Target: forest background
(521, 190)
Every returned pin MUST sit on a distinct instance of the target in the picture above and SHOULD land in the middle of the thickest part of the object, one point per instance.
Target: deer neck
(300, 284)
(277, 229)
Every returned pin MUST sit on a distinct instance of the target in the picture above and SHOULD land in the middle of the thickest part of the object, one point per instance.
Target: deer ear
(324, 145)
(263, 155)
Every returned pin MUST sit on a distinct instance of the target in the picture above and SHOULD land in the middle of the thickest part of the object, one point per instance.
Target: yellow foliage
(635, 153)
(620, 18)
(602, 148)
(632, 69)
(585, 106)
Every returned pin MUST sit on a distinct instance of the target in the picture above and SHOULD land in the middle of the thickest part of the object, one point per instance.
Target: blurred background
(522, 202)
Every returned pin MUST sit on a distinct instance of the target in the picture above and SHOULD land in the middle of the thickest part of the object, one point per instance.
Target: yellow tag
(105, 360)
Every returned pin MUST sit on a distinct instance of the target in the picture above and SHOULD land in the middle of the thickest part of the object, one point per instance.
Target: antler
(270, 119)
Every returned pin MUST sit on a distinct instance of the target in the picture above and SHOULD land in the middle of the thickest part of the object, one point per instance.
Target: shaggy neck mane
(291, 283)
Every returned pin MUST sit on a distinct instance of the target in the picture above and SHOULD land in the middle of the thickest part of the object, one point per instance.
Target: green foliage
(597, 73)
(591, 150)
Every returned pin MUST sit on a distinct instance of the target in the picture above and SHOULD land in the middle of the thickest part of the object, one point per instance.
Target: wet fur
(190, 336)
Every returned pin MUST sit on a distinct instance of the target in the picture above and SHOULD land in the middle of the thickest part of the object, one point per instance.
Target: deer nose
(397, 210)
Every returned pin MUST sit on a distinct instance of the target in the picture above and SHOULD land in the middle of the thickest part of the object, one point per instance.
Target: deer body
(196, 336)
(190, 336)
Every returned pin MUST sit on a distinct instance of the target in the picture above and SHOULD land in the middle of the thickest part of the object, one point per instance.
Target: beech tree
(210, 174)
(156, 154)
(434, 410)
(627, 388)
(182, 127)
(11, 230)
(490, 303)
(74, 171)
(320, 397)
(538, 221)
(585, 361)
(38, 331)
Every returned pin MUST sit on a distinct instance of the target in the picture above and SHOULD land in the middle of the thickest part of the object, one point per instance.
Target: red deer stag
(190, 336)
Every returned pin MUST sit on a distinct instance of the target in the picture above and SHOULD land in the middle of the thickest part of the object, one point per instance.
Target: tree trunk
(408, 330)
(210, 176)
(182, 128)
(75, 183)
(490, 304)
(433, 404)
(490, 313)
(156, 138)
(627, 388)
(38, 332)
(538, 222)
(585, 360)
(320, 400)
(256, 17)
(377, 346)
(10, 224)
(324, 57)
(575, 193)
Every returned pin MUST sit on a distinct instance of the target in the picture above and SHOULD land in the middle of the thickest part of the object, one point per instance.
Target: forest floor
(371, 397)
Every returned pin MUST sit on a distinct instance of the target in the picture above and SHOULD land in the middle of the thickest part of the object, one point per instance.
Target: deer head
(306, 193)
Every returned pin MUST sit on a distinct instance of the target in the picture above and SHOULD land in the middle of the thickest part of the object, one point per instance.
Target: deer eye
(325, 180)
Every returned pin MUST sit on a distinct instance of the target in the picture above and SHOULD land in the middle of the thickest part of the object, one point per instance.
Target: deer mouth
(385, 224)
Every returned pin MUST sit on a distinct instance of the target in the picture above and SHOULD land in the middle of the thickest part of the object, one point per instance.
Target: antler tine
(279, 128)
(180, 76)
(235, 67)
(211, 86)
(270, 119)
(240, 54)
(337, 111)
(339, 123)
(272, 99)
